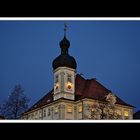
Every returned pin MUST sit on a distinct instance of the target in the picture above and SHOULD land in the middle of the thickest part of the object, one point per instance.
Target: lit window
(126, 114)
(44, 113)
(80, 109)
(69, 109)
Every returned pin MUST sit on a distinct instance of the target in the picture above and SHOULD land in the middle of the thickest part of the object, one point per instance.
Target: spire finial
(65, 28)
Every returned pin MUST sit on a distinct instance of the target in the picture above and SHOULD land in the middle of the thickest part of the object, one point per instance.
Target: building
(1, 117)
(136, 115)
(74, 97)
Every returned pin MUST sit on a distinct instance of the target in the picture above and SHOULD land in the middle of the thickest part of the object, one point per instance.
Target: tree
(15, 105)
(104, 110)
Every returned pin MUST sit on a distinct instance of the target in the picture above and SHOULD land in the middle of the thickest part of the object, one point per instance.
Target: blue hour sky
(106, 50)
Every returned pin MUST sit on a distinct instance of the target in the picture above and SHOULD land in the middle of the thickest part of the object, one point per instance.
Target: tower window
(69, 79)
(56, 79)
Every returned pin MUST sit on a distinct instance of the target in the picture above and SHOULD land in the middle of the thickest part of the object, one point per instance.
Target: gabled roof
(84, 88)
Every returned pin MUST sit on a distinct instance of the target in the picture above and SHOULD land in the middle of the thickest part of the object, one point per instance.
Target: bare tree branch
(15, 105)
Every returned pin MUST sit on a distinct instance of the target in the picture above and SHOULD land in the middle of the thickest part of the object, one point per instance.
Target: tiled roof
(91, 88)
(47, 99)
(84, 88)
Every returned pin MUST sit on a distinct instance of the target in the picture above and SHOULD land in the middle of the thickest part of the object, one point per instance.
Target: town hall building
(75, 98)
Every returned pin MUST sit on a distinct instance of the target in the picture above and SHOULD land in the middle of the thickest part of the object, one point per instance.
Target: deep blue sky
(106, 50)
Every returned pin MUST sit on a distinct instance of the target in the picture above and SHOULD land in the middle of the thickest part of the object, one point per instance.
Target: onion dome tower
(64, 67)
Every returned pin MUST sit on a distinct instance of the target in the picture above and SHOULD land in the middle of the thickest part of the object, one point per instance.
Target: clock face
(56, 87)
(69, 86)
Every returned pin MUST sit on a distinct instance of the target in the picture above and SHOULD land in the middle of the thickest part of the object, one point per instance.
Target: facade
(76, 98)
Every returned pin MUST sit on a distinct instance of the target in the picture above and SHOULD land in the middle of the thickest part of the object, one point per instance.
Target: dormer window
(48, 100)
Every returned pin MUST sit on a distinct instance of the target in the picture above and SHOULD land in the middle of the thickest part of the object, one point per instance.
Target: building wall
(124, 111)
(70, 110)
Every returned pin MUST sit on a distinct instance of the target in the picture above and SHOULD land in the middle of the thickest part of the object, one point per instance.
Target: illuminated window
(126, 114)
(69, 109)
(69, 78)
(80, 109)
(44, 113)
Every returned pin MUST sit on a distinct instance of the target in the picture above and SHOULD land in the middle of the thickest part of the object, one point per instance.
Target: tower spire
(64, 43)
(65, 28)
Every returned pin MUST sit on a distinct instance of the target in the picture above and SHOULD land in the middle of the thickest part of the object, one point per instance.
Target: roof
(84, 88)
(64, 59)
(47, 99)
(91, 88)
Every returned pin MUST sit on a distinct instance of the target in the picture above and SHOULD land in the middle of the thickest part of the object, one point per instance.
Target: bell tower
(64, 67)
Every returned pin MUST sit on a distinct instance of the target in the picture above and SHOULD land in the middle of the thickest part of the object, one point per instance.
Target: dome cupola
(64, 59)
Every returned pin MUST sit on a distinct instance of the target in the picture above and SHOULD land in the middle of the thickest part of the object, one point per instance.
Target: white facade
(70, 110)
